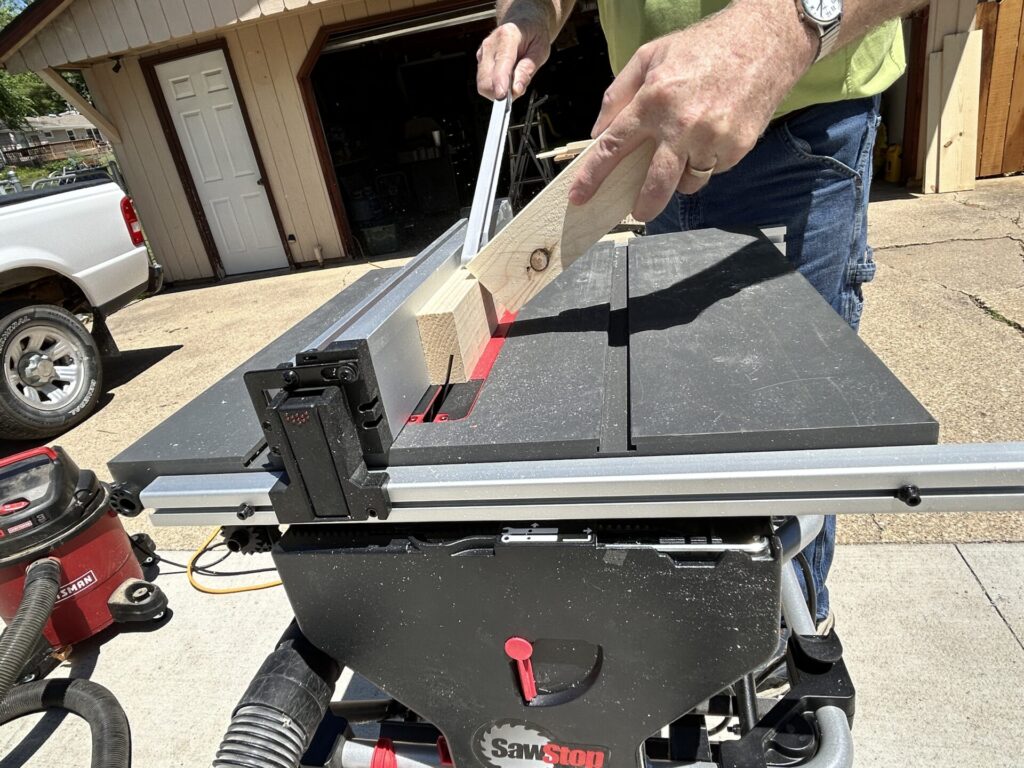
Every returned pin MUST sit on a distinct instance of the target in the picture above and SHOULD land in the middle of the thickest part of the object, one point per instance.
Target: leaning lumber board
(930, 177)
(970, 84)
(955, 112)
(1004, 59)
(1013, 146)
(966, 10)
(549, 234)
(455, 325)
(988, 19)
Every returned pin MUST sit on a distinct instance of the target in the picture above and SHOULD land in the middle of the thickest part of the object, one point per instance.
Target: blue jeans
(811, 171)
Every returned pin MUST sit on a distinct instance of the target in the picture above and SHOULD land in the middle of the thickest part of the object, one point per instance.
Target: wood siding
(266, 55)
(93, 29)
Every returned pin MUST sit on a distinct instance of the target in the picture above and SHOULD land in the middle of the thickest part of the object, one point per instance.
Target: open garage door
(404, 126)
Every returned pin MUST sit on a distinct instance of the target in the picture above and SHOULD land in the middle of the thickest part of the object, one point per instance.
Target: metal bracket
(325, 427)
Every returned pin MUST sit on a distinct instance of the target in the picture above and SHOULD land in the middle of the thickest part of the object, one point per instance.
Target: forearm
(861, 16)
(795, 42)
(784, 46)
(550, 13)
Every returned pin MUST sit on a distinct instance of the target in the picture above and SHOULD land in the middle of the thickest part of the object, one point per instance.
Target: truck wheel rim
(45, 368)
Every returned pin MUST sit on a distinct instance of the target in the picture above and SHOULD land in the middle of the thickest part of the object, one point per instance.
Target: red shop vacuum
(51, 509)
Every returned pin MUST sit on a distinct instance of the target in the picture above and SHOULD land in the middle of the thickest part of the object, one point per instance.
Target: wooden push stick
(534, 248)
(549, 234)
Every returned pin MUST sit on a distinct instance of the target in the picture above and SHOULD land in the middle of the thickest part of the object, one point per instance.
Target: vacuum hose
(280, 711)
(42, 580)
(111, 737)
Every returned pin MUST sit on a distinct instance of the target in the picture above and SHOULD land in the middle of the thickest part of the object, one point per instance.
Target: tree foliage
(25, 95)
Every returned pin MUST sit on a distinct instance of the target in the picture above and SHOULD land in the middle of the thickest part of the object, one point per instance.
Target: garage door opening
(404, 126)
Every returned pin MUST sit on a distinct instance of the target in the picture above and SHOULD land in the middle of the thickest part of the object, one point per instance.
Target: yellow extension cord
(222, 590)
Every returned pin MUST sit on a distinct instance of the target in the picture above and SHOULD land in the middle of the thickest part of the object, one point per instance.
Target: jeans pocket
(803, 150)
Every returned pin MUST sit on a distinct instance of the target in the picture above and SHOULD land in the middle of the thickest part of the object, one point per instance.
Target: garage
(401, 141)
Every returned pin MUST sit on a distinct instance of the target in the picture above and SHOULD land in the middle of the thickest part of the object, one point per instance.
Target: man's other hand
(519, 46)
(704, 94)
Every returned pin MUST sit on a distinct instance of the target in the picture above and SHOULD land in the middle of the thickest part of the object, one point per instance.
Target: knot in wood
(539, 259)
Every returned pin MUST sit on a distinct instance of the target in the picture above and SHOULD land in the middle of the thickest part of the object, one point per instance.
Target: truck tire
(42, 394)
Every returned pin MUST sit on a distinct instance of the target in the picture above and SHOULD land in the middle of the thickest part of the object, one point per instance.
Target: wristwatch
(825, 16)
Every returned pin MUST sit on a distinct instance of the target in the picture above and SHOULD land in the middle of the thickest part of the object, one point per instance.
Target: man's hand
(704, 94)
(520, 46)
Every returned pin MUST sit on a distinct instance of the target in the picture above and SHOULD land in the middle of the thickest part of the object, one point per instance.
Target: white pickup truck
(67, 252)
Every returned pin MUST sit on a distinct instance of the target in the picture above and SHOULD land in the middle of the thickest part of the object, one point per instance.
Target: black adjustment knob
(909, 495)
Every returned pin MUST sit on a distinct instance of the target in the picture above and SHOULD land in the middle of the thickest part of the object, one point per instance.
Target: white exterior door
(207, 116)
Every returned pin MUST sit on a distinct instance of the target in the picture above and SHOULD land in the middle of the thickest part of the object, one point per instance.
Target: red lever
(520, 651)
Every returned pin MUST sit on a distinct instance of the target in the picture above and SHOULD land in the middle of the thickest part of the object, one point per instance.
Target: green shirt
(862, 68)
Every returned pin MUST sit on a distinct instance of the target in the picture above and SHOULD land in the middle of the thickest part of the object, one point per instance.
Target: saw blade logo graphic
(508, 744)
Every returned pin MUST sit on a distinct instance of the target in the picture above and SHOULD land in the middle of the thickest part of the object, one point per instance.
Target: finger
(621, 138)
(485, 64)
(662, 180)
(506, 53)
(694, 176)
(501, 73)
(619, 94)
(527, 67)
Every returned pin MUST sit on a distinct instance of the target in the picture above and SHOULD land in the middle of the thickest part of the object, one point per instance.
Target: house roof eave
(27, 25)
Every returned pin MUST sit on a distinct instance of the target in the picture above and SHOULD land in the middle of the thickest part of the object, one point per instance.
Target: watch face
(823, 11)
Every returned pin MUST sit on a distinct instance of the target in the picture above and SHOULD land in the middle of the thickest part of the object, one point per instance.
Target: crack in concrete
(878, 248)
(988, 596)
(995, 314)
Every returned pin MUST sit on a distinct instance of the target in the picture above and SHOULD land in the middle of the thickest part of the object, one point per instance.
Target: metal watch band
(829, 37)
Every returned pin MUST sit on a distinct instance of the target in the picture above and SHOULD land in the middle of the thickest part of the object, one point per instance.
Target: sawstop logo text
(518, 744)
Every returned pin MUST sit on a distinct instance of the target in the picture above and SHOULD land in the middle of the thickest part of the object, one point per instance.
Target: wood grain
(1013, 146)
(987, 20)
(564, 231)
(455, 326)
(1004, 59)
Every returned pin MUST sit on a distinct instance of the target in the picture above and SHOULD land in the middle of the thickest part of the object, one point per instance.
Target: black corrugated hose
(42, 580)
(280, 711)
(111, 737)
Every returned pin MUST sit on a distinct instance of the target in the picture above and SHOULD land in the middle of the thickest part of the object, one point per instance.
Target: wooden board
(1004, 58)
(1013, 146)
(930, 176)
(965, 15)
(987, 19)
(550, 223)
(956, 113)
(970, 84)
(455, 326)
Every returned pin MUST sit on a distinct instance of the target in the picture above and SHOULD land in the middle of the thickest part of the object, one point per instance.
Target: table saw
(580, 556)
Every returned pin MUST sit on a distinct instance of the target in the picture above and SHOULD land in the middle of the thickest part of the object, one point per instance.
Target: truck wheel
(51, 377)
